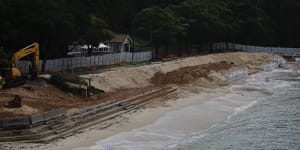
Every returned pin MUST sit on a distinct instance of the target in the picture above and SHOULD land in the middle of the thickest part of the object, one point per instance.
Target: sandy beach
(202, 100)
(190, 113)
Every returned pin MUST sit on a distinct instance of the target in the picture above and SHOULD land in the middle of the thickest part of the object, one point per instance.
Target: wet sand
(155, 128)
(135, 120)
(158, 127)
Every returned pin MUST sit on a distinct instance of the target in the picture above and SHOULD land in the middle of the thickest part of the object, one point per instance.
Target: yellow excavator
(11, 77)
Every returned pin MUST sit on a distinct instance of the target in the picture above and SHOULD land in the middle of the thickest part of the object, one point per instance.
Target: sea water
(265, 114)
(272, 123)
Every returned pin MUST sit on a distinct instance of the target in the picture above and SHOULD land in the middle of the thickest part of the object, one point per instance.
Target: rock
(218, 78)
(16, 102)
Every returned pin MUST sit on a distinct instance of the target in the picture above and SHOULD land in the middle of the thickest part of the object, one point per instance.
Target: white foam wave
(170, 131)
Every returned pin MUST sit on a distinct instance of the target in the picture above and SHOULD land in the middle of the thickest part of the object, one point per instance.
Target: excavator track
(15, 83)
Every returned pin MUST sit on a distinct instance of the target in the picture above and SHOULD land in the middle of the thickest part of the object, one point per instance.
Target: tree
(208, 20)
(284, 17)
(3, 58)
(251, 22)
(96, 31)
(161, 26)
(55, 24)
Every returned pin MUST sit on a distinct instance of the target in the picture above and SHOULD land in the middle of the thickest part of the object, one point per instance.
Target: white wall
(249, 48)
(60, 64)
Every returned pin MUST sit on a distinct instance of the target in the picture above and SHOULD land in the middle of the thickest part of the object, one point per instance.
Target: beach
(192, 116)
(196, 108)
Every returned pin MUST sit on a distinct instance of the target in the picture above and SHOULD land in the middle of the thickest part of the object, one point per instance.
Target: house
(82, 50)
(101, 49)
(77, 50)
(120, 43)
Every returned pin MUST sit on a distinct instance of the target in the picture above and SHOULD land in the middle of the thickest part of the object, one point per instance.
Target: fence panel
(55, 65)
(249, 48)
(60, 64)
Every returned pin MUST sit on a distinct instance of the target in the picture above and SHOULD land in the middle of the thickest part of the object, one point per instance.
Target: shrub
(57, 80)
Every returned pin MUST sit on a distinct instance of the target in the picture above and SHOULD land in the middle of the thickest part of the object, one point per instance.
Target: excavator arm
(31, 49)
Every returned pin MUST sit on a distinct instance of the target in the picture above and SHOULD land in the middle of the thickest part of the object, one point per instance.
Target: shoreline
(212, 106)
(174, 115)
(124, 123)
(214, 110)
(131, 121)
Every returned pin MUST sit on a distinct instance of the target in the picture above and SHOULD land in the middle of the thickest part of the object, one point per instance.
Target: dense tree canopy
(165, 24)
(162, 26)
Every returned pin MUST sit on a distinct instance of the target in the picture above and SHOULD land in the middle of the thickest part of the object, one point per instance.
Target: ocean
(264, 114)
(272, 123)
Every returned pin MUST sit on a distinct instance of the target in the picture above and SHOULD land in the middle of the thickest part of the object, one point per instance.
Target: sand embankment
(143, 76)
(207, 71)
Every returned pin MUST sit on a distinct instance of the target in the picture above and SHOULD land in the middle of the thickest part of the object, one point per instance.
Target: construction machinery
(11, 77)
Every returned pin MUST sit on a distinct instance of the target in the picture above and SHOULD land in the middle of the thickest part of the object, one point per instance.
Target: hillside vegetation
(163, 24)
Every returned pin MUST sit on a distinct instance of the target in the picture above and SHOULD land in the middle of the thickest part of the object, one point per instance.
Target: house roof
(120, 38)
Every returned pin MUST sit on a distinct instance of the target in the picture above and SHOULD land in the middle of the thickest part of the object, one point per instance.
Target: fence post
(132, 57)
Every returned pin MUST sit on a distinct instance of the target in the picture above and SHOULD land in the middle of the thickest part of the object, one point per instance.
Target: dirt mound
(187, 75)
(38, 98)
(25, 110)
(139, 77)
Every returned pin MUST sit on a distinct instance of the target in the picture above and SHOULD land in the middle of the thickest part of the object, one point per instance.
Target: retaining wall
(28, 122)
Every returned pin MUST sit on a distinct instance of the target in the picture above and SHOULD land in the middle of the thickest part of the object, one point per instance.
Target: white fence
(248, 48)
(60, 64)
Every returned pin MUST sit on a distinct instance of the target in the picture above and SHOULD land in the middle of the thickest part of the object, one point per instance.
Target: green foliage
(4, 62)
(143, 44)
(165, 24)
(58, 80)
(72, 84)
(161, 25)
(75, 79)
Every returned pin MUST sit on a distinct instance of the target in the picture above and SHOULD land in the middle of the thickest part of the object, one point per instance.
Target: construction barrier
(237, 75)
(53, 114)
(12, 123)
(61, 64)
(28, 122)
(275, 63)
(55, 65)
(268, 67)
(37, 118)
(249, 48)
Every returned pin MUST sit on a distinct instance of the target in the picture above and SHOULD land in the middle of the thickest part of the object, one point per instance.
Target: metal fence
(60, 64)
(249, 48)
